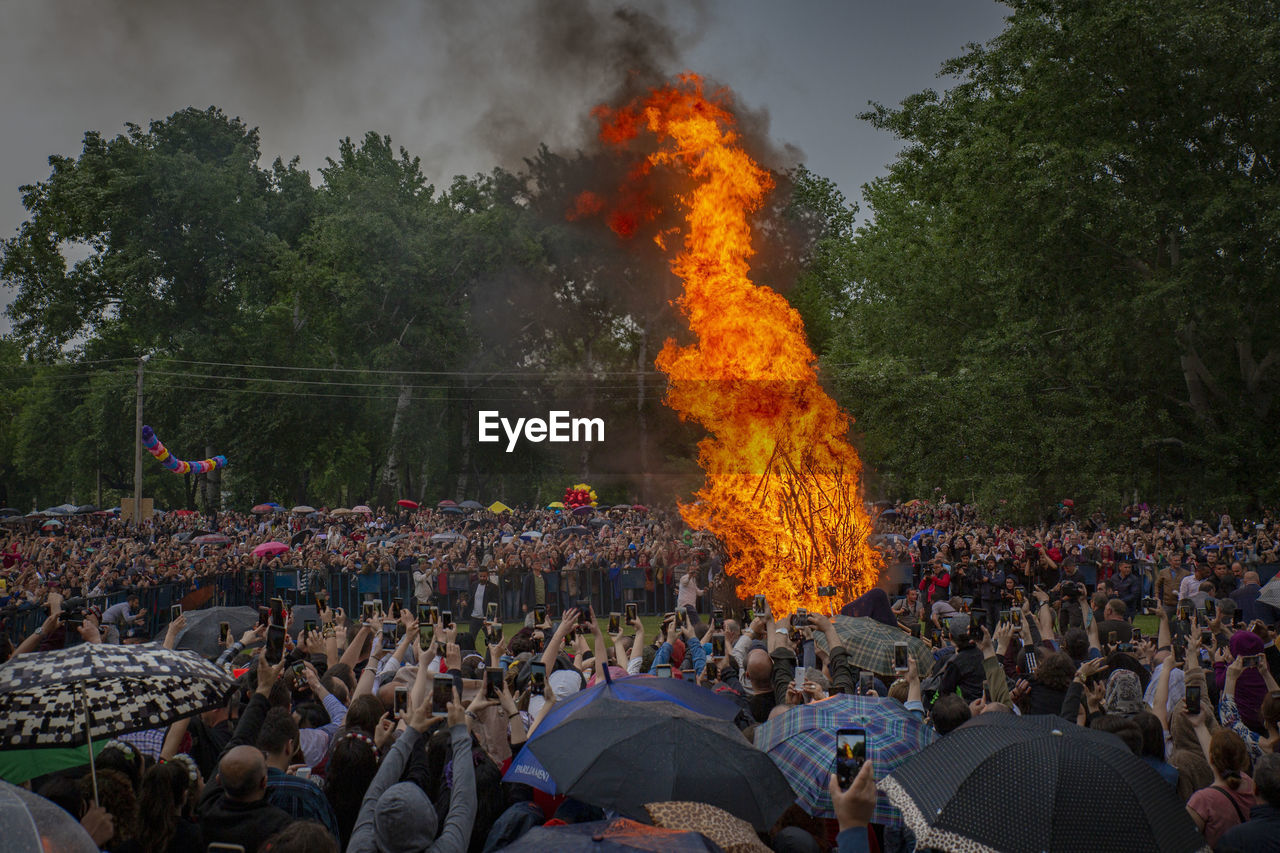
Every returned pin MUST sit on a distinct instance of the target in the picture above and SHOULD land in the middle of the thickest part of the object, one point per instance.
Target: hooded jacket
(398, 817)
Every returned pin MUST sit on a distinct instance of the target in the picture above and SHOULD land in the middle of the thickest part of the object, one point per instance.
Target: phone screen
(388, 634)
(1111, 638)
(1210, 607)
(446, 618)
(264, 615)
(308, 625)
(1193, 700)
(633, 613)
(396, 604)
(492, 609)
(441, 695)
(539, 614)
(368, 610)
(662, 670)
(175, 611)
(584, 612)
(422, 615)
(900, 657)
(717, 620)
(433, 615)
(275, 644)
(537, 679)
(759, 604)
(224, 630)
(866, 683)
(851, 754)
(1017, 617)
(492, 683)
(277, 611)
(426, 633)
(615, 623)
(717, 645)
(401, 703)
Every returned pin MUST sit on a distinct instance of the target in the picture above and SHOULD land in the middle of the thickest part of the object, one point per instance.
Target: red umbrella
(270, 549)
(263, 509)
(212, 539)
(446, 502)
(185, 512)
(640, 508)
(407, 504)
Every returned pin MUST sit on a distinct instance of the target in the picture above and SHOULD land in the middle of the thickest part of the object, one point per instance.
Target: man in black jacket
(964, 669)
(476, 601)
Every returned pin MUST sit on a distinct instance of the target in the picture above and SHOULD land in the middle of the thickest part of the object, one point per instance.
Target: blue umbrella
(527, 769)
(928, 532)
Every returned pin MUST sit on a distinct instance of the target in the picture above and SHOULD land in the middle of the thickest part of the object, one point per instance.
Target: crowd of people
(343, 742)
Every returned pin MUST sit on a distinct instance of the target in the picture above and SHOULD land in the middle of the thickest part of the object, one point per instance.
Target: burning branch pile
(782, 482)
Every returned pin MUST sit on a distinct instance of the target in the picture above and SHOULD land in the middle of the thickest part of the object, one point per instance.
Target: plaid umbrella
(802, 742)
(870, 644)
(1074, 788)
(46, 697)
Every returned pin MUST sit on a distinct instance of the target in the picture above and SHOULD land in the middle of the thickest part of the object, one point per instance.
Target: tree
(1064, 283)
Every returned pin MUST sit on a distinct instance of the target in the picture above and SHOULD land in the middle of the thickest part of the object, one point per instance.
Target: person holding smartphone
(405, 805)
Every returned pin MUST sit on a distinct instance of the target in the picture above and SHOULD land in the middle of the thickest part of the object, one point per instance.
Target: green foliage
(1064, 286)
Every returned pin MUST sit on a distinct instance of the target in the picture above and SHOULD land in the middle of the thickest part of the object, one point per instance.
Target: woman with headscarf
(1249, 687)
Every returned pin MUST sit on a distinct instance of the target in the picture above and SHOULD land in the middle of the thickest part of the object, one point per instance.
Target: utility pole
(137, 448)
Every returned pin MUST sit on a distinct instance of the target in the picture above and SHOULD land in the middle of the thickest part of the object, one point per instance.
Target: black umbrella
(201, 633)
(610, 836)
(576, 529)
(302, 536)
(620, 755)
(1003, 782)
(472, 505)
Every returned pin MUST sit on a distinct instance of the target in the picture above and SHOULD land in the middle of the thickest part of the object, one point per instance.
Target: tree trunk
(389, 488)
(464, 460)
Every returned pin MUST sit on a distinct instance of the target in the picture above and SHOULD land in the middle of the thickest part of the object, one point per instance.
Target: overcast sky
(463, 85)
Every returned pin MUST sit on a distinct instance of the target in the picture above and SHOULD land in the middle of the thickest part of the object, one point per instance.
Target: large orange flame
(782, 482)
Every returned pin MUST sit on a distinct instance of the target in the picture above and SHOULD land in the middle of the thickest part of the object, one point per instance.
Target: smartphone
(717, 619)
(851, 754)
(1254, 661)
(539, 614)
(633, 613)
(1005, 615)
(799, 676)
(308, 625)
(388, 635)
(800, 618)
(677, 619)
(866, 683)
(758, 604)
(422, 615)
(1111, 638)
(446, 618)
(538, 678)
(277, 611)
(900, 652)
(1210, 607)
(1018, 596)
(662, 670)
(433, 615)
(441, 695)
(584, 611)
(396, 604)
(426, 634)
(1184, 611)
(224, 630)
(1193, 700)
(1016, 616)
(367, 610)
(717, 645)
(492, 610)
(539, 644)
(492, 683)
(175, 611)
(264, 615)
(1032, 663)
(986, 692)
(615, 623)
(1206, 637)
(400, 704)
(377, 606)
(321, 599)
(275, 644)
(1135, 635)
(826, 591)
